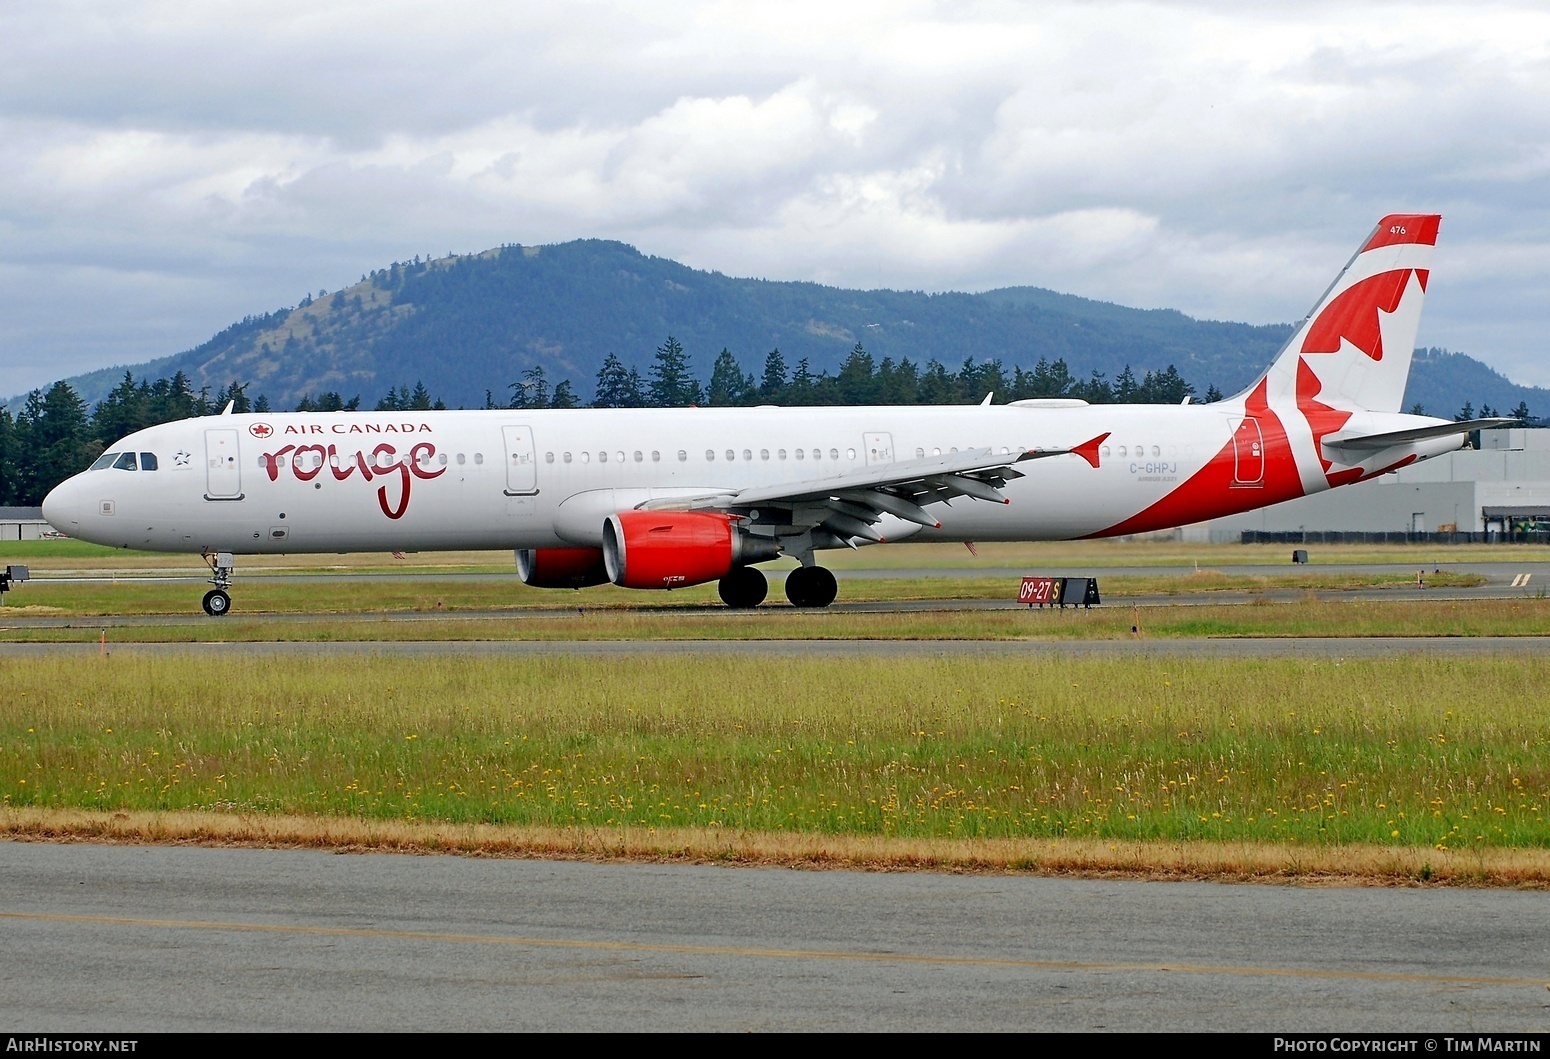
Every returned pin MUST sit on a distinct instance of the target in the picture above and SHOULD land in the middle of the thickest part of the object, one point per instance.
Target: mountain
(470, 323)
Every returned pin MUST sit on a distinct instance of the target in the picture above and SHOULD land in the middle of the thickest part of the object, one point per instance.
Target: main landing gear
(811, 586)
(743, 588)
(217, 601)
(808, 586)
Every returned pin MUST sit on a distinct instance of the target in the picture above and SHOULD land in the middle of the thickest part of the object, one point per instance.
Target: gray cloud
(172, 167)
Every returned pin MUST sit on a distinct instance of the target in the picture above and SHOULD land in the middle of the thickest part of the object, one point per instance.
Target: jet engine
(561, 567)
(674, 549)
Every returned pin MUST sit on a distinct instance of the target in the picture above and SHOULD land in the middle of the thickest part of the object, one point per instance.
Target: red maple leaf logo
(260, 430)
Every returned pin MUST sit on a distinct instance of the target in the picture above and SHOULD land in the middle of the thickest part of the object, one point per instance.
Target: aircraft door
(223, 467)
(521, 461)
(1248, 454)
(879, 448)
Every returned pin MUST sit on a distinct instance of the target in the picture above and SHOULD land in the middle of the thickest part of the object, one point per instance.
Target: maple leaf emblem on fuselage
(260, 430)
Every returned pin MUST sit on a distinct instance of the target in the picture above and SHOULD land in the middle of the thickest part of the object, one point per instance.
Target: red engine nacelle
(668, 549)
(561, 567)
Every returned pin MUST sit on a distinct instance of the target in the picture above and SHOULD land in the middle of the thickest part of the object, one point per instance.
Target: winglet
(1088, 450)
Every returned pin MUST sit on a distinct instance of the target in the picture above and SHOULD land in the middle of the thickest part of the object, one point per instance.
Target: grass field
(1409, 768)
(1413, 752)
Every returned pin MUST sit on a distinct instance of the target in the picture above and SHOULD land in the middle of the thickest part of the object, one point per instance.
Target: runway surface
(127, 938)
(1261, 647)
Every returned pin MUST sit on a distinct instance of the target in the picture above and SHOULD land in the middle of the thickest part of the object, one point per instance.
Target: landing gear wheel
(216, 603)
(743, 588)
(811, 586)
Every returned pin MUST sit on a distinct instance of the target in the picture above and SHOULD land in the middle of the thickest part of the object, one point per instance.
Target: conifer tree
(617, 386)
(728, 384)
(855, 382)
(773, 385)
(564, 396)
(672, 386)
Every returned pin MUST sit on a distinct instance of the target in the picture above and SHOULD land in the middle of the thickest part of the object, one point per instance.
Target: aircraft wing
(1373, 442)
(850, 504)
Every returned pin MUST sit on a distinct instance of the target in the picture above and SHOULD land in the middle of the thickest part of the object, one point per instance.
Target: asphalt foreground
(136, 939)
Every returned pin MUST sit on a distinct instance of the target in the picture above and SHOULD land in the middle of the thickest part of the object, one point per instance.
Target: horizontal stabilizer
(1373, 442)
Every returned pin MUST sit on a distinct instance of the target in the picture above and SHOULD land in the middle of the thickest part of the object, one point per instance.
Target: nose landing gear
(217, 601)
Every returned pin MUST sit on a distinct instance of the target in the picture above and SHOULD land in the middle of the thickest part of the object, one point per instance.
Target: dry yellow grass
(1220, 861)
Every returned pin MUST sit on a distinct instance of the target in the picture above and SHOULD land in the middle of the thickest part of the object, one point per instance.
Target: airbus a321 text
(664, 498)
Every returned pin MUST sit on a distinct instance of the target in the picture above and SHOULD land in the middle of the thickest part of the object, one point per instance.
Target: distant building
(1504, 486)
(24, 524)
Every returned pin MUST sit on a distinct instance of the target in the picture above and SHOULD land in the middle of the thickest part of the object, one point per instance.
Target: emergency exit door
(879, 448)
(521, 461)
(1248, 455)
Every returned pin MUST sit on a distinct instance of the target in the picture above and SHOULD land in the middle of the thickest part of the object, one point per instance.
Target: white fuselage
(412, 481)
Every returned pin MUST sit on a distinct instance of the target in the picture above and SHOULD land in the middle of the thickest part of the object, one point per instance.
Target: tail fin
(1353, 350)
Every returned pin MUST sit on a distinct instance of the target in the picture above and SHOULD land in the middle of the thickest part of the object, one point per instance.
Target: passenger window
(148, 461)
(125, 462)
(920, 454)
(656, 456)
(478, 458)
(619, 456)
(850, 454)
(586, 457)
(566, 457)
(638, 456)
(710, 455)
(731, 455)
(936, 452)
(548, 457)
(1122, 450)
(107, 458)
(800, 454)
(818, 454)
(602, 457)
(682, 456)
(461, 459)
(764, 454)
(1156, 451)
(1104, 451)
(747, 454)
(780, 454)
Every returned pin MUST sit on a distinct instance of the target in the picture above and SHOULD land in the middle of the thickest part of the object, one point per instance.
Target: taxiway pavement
(141, 938)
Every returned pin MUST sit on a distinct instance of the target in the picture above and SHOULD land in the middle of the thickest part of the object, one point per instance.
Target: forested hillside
(476, 323)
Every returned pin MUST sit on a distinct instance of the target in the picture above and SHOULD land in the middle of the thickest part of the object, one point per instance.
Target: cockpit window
(147, 461)
(125, 462)
(105, 460)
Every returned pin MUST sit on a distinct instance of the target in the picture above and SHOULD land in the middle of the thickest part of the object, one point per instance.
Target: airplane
(667, 498)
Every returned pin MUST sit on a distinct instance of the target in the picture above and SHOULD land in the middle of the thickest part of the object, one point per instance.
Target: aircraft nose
(62, 506)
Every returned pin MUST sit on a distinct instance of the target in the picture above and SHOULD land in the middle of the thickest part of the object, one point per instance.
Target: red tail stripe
(1399, 228)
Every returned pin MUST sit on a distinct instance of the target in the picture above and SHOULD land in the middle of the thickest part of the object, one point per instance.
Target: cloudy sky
(169, 167)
